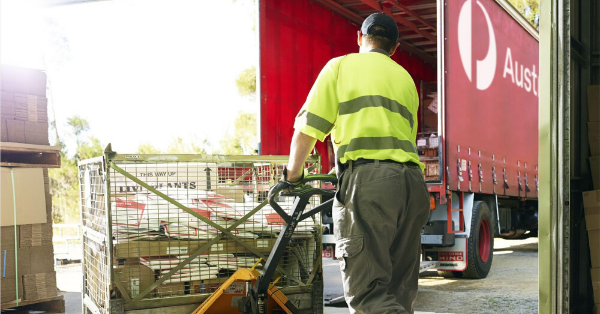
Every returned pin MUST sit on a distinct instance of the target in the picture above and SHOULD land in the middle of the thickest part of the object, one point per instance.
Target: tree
(179, 146)
(243, 141)
(78, 126)
(64, 181)
(147, 149)
(530, 9)
(246, 82)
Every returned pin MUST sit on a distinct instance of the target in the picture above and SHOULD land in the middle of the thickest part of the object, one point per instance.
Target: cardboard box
(6, 96)
(595, 272)
(595, 170)
(594, 102)
(29, 108)
(7, 237)
(189, 176)
(130, 261)
(134, 278)
(432, 169)
(594, 138)
(23, 259)
(35, 235)
(36, 133)
(430, 118)
(170, 290)
(594, 238)
(591, 207)
(206, 286)
(39, 286)
(591, 201)
(7, 109)
(22, 80)
(30, 196)
(8, 289)
(42, 259)
(164, 248)
(3, 130)
(592, 222)
(236, 192)
(15, 131)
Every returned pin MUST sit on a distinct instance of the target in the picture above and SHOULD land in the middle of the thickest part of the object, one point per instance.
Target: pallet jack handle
(303, 192)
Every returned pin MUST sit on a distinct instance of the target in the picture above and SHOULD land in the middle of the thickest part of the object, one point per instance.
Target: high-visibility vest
(369, 104)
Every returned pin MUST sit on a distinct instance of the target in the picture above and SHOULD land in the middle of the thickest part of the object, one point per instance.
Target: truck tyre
(480, 245)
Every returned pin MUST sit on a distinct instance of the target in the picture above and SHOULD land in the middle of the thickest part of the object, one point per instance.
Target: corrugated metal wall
(297, 40)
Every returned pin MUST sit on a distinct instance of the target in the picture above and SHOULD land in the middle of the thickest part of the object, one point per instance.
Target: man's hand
(292, 180)
(292, 176)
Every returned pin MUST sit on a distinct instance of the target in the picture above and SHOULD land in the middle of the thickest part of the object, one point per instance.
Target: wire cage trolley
(165, 231)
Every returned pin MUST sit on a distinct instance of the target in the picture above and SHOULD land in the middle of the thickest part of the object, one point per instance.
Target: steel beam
(402, 20)
(424, 43)
(396, 4)
(357, 19)
(343, 11)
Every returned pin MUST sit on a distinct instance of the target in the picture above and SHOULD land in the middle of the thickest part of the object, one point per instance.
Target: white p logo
(486, 68)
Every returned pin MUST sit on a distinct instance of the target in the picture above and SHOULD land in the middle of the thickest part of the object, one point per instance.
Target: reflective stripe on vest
(376, 143)
(356, 104)
(317, 122)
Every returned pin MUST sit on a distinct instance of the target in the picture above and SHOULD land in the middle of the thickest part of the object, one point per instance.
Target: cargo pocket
(354, 264)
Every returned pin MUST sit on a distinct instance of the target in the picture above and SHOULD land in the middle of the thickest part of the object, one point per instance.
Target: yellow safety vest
(369, 103)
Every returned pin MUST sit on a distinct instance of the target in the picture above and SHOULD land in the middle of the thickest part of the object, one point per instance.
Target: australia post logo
(483, 72)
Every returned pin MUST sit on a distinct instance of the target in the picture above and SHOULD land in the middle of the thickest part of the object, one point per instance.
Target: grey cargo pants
(378, 212)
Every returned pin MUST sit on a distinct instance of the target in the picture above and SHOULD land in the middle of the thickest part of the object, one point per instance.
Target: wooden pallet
(50, 305)
(28, 155)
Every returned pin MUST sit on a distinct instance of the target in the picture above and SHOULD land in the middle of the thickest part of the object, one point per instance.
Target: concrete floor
(68, 279)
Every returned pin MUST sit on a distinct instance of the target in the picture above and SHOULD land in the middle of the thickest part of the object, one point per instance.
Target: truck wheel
(480, 244)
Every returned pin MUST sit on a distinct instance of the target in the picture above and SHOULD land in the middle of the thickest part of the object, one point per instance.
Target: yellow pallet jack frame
(249, 291)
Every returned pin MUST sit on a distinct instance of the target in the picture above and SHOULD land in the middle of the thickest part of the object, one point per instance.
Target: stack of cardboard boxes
(26, 252)
(591, 199)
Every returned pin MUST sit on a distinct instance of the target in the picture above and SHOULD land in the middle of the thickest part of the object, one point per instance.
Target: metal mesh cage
(177, 226)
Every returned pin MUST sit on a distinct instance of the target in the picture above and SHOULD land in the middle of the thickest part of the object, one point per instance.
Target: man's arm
(300, 148)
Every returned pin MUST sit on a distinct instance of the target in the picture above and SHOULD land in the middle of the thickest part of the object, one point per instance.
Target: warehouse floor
(69, 281)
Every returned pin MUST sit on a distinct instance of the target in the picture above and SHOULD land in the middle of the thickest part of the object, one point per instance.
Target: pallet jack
(249, 291)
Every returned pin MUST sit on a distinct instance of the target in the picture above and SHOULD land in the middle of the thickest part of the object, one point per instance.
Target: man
(369, 103)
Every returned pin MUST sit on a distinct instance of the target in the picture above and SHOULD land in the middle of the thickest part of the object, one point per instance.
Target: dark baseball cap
(380, 19)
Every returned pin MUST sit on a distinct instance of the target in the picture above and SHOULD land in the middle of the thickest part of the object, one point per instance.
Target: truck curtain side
(478, 108)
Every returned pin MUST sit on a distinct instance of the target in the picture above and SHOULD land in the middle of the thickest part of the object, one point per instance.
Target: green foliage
(147, 149)
(64, 181)
(86, 150)
(179, 146)
(246, 82)
(78, 126)
(64, 187)
(243, 141)
(530, 9)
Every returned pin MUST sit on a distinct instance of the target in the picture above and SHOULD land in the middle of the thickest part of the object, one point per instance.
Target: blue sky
(140, 71)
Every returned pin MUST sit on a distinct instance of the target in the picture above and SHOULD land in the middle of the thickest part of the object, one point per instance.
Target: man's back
(377, 100)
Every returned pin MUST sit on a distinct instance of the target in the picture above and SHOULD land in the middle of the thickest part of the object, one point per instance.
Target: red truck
(475, 64)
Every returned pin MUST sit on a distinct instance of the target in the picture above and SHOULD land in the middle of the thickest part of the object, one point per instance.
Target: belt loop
(350, 162)
(376, 163)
